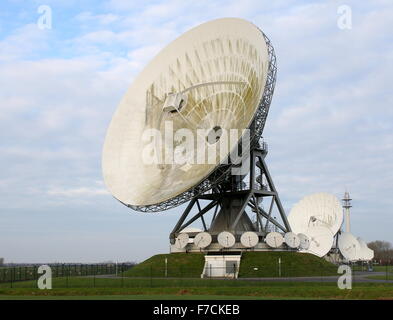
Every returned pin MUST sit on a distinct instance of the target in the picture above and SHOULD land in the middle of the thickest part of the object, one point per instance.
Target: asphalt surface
(358, 276)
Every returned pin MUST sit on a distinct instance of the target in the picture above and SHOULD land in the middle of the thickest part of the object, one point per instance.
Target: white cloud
(83, 191)
(330, 126)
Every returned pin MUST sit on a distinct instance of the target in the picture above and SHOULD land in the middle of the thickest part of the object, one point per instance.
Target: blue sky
(330, 125)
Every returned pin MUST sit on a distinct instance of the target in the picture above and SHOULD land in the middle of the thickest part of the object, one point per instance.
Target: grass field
(253, 265)
(81, 288)
(293, 264)
(389, 277)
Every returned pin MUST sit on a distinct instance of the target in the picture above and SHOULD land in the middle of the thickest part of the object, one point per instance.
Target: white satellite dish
(249, 239)
(292, 240)
(226, 239)
(370, 254)
(304, 241)
(321, 240)
(274, 239)
(320, 209)
(209, 80)
(349, 246)
(181, 240)
(202, 240)
(363, 249)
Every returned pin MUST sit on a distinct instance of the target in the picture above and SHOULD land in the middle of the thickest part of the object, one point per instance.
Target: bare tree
(383, 250)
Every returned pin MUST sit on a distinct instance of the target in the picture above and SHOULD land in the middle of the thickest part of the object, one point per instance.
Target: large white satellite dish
(274, 239)
(321, 240)
(320, 209)
(349, 246)
(292, 240)
(209, 80)
(249, 239)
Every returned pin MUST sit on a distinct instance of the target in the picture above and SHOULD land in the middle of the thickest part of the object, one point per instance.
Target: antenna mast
(347, 205)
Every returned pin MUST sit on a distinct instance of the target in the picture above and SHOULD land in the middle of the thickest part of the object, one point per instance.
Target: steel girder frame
(250, 197)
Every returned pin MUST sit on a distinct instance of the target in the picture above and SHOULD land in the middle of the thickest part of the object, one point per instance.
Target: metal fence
(123, 276)
(13, 274)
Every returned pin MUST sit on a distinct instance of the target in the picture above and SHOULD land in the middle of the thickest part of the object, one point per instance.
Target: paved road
(359, 276)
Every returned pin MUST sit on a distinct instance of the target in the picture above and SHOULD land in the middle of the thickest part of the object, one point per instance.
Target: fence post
(151, 276)
(122, 275)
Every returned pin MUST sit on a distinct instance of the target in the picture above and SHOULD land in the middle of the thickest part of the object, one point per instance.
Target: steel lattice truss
(223, 172)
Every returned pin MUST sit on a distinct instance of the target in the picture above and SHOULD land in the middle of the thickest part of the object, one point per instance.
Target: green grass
(382, 277)
(190, 265)
(293, 264)
(179, 265)
(207, 289)
(375, 268)
(134, 297)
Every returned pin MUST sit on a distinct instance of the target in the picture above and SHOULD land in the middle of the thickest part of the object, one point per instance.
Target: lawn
(128, 288)
(253, 265)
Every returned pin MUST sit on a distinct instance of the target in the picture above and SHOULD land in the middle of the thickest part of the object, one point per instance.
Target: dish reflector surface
(202, 240)
(349, 246)
(249, 239)
(304, 241)
(211, 78)
(321, 240)
(320, 209)
(292, 240)
(226, 239)
(274, 239)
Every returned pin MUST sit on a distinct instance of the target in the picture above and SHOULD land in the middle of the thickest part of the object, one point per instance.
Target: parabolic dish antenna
(304, 241)
(226, 239)
(349, 246)
(208, 81)
(182, 240)
(321, 240)
(249, 239)
(292, 240)
(319, 209)
(274, 239)
(202, 240)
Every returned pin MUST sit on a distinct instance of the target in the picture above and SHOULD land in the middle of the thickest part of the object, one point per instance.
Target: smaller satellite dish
(274, 239)
(292, 240)
(349, 246)
(203, 239)
(370, 254)
(321, 240)
(304, 241)
(319, 209)
(249, 239)
(181, 240)
(226, 239)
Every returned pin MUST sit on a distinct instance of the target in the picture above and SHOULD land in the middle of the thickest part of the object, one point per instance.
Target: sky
(330, 126)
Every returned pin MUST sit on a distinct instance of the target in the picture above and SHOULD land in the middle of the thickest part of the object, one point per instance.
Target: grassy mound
(253, 265)
(293, 264)
(179, 265)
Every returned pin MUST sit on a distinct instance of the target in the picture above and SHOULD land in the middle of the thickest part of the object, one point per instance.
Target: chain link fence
(126, 276)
